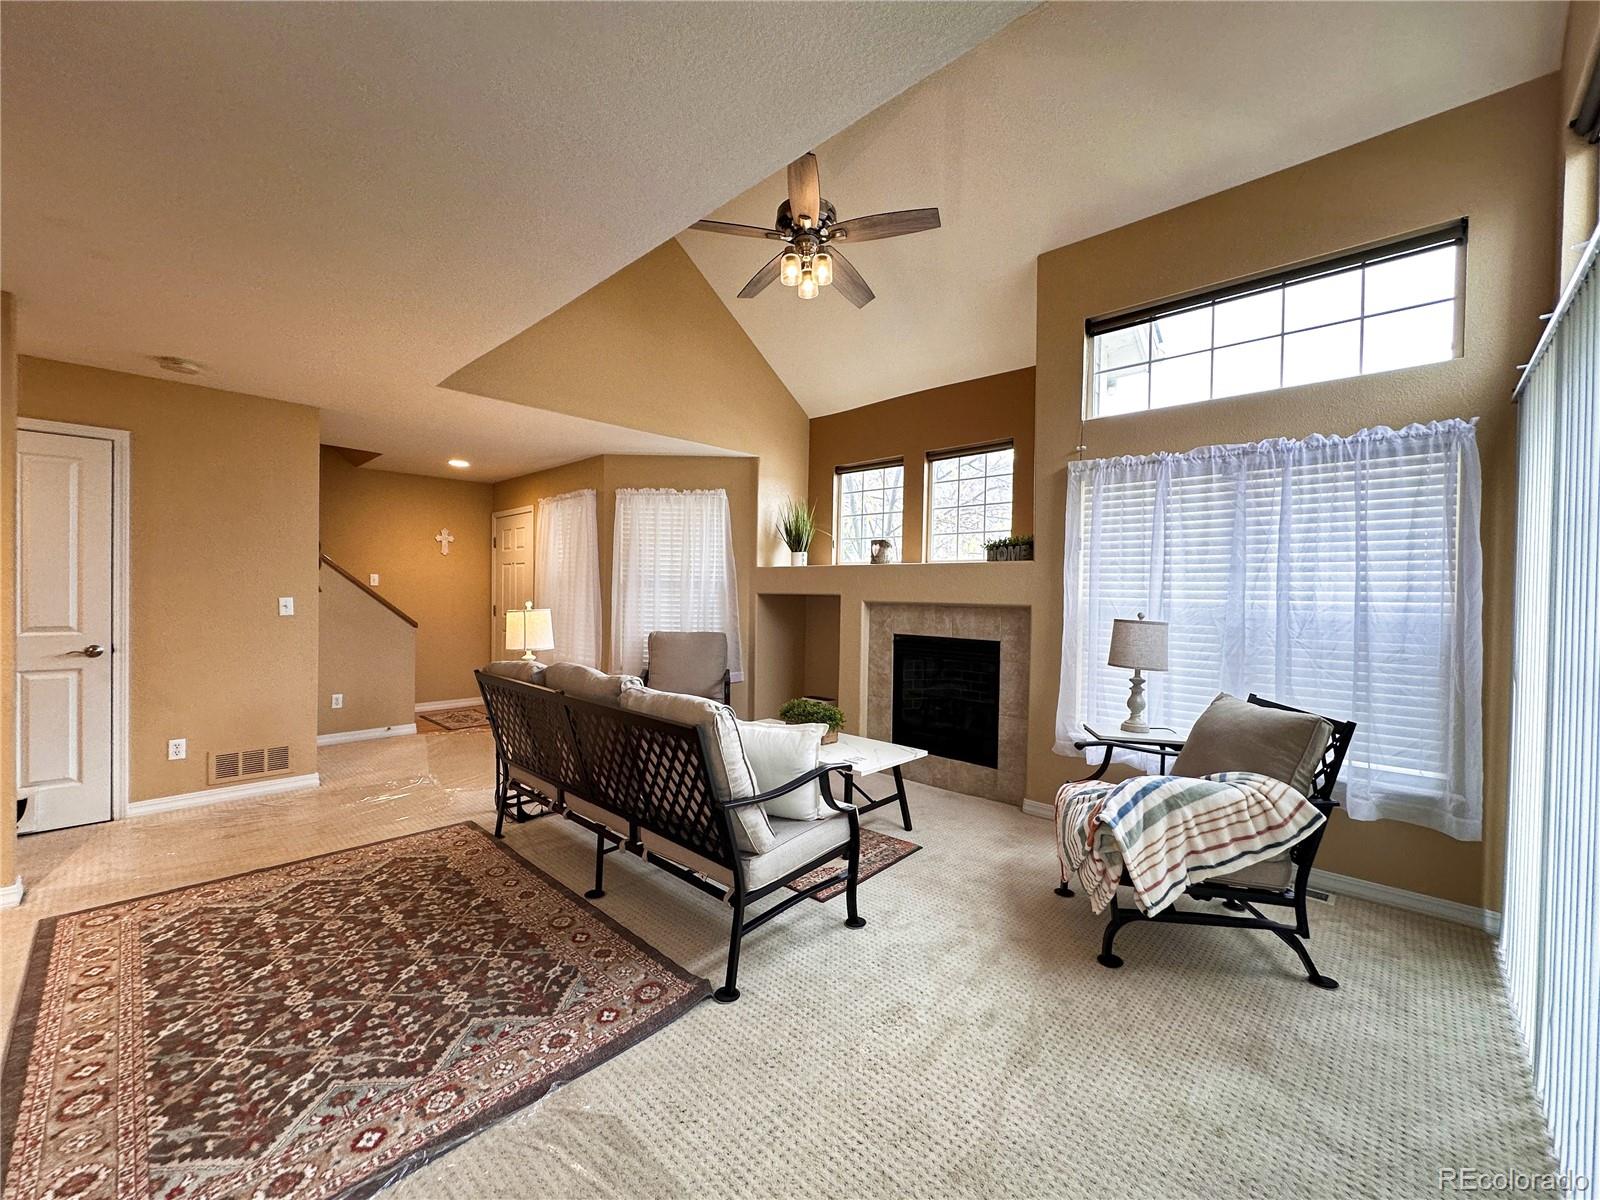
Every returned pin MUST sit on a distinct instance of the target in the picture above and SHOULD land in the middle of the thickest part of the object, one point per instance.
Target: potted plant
(1010, 549)
(804, 711)
(797, 525)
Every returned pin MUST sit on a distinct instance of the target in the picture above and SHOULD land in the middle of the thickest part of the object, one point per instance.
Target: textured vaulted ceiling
(341, 204)
(1076, 119)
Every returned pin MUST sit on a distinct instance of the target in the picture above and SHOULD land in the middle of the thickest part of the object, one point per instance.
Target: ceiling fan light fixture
(789, 270)
(808, 286)
(822, 268)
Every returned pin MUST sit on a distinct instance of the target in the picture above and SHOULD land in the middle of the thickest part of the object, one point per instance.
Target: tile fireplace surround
(1011, 627)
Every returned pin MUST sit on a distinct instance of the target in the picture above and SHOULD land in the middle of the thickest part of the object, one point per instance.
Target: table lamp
(1140, 646)
(529, 629)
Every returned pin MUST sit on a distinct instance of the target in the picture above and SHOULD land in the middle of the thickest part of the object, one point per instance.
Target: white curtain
(566, 575)
(1340, 575)
(672, 570)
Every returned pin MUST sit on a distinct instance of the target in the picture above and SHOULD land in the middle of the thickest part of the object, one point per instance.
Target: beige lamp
(1140, 646)
(529, 629)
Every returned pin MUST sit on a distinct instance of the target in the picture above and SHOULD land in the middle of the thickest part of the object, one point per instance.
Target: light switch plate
(286, 606)
(372, 580)
(177, 748)
(338, 699)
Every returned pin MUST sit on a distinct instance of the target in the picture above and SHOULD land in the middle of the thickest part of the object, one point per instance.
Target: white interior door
(513, 572)
(64, 622)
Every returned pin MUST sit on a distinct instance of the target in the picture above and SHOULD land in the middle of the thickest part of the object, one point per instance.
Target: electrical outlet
(372, 580)
(338, 699)
(177, 748)
(286, 606)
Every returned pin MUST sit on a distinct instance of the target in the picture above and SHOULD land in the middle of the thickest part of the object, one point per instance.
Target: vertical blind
(672, 571)
(1550, 931)
(1340, 575)
(566, 574)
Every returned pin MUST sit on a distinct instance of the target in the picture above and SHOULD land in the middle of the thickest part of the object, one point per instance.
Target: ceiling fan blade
(762, 279)
(847, 280)
(886, 225)
(736, 230)
(805, 191)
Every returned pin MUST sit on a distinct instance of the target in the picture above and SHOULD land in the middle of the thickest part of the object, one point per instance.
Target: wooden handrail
(328, 562)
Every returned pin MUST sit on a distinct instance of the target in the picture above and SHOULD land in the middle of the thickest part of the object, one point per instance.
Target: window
(1340, 575)
(969, 502)
(1379, 310)
(672, 571)
(870, 504)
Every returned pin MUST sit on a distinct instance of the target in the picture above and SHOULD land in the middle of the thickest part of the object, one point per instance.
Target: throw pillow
(779, 753)
(585, 683)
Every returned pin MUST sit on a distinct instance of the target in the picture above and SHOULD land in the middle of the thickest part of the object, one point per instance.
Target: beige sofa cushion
(779, 753)
(692, 663)
(794, 843)
(1235, 735)
(517, 668)
(731, 778)
(585, 683)
(1276, 874)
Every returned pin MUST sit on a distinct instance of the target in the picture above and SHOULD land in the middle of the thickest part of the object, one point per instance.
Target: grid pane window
(969, 503)
(1397, 307)
(870, 504)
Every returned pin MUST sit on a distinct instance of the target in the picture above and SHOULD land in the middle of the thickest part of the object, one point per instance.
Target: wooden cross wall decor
(444, 537)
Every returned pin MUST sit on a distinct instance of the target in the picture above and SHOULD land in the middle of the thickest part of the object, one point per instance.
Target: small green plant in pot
(1010, 549)
(814, 712)
(797, 525)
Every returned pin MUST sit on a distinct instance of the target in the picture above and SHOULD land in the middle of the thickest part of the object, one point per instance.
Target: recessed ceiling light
(183, 366)
(459, 463)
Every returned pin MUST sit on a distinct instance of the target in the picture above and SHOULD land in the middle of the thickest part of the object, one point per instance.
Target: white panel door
(513, 572)
(64, 610)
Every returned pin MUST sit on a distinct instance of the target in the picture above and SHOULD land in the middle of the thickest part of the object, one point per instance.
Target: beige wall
(8, 587)
(384, 522)
(909, 427)
(609, 472)
(1579, 162)
(365, 653)
(224, 521)
(1410, 179)
(654, 348)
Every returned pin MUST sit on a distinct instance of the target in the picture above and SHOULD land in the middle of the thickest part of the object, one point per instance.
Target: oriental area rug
(879, 851)
(315, 1029)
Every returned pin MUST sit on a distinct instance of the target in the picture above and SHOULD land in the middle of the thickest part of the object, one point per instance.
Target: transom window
(871, 503)
(969, 503)
(1379, 310)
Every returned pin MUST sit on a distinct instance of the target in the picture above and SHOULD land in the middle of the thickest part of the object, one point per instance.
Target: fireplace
(947, 697)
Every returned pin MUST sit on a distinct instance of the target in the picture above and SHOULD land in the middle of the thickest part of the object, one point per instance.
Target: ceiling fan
(808, 226)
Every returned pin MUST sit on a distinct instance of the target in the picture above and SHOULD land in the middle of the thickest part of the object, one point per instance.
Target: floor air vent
(237, 766)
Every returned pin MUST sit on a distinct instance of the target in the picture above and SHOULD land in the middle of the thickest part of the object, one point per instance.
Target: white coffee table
(869, 756)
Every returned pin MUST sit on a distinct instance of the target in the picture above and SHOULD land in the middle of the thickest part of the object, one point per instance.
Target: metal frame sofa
(660, 788)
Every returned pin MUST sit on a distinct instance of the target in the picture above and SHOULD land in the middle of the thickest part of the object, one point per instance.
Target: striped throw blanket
(1169, 831)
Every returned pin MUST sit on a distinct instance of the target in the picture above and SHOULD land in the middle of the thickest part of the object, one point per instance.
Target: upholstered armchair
(695, 664)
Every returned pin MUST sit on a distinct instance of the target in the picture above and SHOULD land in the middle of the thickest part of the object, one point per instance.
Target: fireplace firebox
(947, 697)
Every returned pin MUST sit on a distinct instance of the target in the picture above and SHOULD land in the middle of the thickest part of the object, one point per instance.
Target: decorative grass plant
(797, 525)
(1010, 549)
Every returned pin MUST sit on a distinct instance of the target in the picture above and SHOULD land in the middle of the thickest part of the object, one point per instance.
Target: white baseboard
(1485, 919)
(11, 894)
(366, 735)
(1364, 889)
(428, 706)
(233, 791)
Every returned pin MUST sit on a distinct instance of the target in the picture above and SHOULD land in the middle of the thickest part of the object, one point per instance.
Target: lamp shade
(1139, 645)
(529, 628)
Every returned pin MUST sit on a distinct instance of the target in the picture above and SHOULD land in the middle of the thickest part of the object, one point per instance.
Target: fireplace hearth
(947, 697)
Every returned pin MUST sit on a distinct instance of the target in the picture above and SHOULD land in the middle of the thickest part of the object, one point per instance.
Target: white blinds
(1550, 939)
(566, 575)
(1340, 575)
(672, 570)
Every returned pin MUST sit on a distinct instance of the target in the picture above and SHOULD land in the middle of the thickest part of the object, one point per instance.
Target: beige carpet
(965, 1043)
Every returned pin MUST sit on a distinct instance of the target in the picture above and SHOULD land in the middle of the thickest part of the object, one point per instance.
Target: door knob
(91, 651)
